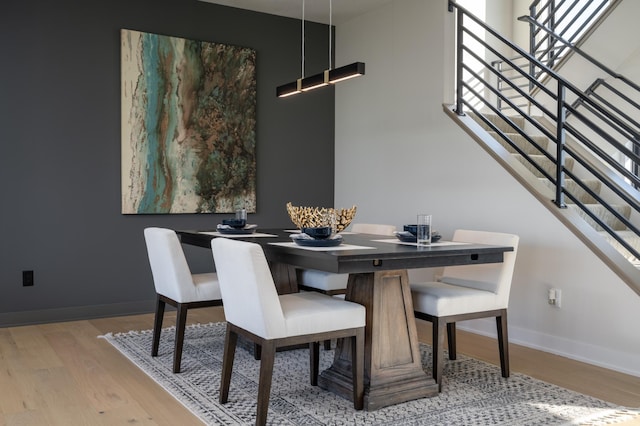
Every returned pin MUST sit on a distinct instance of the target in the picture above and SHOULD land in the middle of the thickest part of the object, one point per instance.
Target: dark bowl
(411, 228)
(435, 235)
(318, 233)
(235, 223)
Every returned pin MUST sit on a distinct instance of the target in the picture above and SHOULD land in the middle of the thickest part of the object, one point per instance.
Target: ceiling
(314, 10)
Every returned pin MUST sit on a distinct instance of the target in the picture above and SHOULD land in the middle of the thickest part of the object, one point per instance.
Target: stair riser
(577, 191)
(631, 239)
(604, 215)
(499, 123)
(546, 164)
(521, 142)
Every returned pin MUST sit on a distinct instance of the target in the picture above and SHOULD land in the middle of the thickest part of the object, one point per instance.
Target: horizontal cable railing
(555, 100)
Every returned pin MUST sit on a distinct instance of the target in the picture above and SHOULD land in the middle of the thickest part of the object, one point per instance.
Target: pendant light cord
(330, 35)
(302, 71)
(330, 29)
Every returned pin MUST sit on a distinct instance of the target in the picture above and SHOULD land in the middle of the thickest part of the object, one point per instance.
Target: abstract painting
(188, 125)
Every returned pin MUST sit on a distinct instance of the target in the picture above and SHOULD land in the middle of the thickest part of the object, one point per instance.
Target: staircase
(583, 195)
(575, 153)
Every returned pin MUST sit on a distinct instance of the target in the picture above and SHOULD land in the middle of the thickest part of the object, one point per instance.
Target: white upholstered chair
(254, 310)
(176, 285)
(329, 283)
(468, 292)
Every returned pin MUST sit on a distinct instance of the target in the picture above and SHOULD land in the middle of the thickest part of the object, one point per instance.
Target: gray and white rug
(474, 392)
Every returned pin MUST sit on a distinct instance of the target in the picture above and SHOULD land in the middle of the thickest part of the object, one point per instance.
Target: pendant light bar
(315, 81)
(322, 79)
(289, 89)
(355, 69)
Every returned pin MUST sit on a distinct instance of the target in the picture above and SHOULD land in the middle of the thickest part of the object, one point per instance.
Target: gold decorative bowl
(314, 217)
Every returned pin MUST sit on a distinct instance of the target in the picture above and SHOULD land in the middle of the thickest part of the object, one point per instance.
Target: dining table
(378, 279)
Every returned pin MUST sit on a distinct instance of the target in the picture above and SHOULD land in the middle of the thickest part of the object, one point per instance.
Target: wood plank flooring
(62, 374)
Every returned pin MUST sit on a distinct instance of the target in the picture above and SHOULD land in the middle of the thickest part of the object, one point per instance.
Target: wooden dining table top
(358, 253)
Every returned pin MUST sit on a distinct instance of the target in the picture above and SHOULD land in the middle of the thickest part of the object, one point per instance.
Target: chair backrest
(171, 274)
(494, 277)
(248, 292)
(373, 228)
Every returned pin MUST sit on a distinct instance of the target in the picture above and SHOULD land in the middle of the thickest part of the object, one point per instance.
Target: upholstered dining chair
(176, 285)
(468, 292)
(330, 283)
(254, 310)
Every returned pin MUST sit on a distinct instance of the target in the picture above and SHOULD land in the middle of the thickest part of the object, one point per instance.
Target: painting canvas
(188, 125)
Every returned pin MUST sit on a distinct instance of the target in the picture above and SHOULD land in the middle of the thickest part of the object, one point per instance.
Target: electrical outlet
(554, 297)
(27, 278)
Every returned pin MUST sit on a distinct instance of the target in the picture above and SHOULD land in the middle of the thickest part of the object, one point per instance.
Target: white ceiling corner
(315, 10)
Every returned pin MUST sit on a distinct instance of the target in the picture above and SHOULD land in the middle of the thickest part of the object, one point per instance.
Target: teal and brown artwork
(188, 125)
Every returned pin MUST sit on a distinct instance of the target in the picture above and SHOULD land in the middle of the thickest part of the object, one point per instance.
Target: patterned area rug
(474, 392)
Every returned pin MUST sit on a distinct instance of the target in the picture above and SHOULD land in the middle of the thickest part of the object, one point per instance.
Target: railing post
(560, 140)
(552, 24)
(459, 52)
(499, 86)
(635, 169)
(532, 45)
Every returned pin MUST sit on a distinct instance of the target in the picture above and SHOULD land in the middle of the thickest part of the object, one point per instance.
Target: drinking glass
(423, 234)
(329, 219)
(241, 214)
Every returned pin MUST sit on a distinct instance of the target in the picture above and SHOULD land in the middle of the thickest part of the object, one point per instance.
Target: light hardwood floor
(62, 374)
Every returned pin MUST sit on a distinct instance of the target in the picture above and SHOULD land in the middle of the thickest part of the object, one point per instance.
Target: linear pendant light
(329, 76)
(346, 72)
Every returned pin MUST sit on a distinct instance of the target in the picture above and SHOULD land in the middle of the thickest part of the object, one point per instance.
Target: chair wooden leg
(314, 362)
(357, 365)
(264, 385)
(327, 345)
(181, 323)
(503, 342)
(438, 331)
(157, 326)
(451, 338)
(230, 341)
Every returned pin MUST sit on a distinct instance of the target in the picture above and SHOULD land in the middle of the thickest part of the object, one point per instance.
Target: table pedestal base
(392, 366)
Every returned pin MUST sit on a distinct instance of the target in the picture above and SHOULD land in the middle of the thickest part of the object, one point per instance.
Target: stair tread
(604, 215)
(521, 142)
(544, 162)
(576, 190)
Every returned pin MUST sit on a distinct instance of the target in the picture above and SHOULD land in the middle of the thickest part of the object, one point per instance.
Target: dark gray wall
(60, 133)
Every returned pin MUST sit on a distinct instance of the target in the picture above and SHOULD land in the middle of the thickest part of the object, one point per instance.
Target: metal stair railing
(622, 123)
(619, 104)
(476, 90)
(506, 72)
(568, 19)
(628, 120)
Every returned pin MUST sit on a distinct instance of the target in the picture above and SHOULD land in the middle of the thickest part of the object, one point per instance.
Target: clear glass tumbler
(423, 234)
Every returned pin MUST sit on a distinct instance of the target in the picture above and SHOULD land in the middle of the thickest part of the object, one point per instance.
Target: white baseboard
(622, 362)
